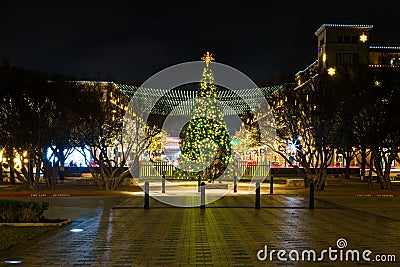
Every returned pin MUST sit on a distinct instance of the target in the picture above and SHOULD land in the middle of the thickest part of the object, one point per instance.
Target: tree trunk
(61, 163)
(386, 176)
(47, 172)
(363, 161)
(307, 176)
(37, 174)
(10, 161)
(321, 180)
(31, 178)
(371, 161)
(382, 171)
(347, 167)
(135, 168)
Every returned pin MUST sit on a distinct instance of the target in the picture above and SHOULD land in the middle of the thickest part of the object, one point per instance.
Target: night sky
(130, 41)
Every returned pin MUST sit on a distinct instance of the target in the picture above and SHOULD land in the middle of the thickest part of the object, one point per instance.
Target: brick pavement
(229, 232)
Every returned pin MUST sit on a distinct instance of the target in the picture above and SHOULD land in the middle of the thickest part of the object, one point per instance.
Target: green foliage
(19, 211)
(206, 137)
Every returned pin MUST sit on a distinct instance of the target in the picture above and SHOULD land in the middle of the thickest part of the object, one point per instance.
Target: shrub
(20, 211)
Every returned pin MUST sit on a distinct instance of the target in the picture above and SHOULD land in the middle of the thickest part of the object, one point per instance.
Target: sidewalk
(117, 231)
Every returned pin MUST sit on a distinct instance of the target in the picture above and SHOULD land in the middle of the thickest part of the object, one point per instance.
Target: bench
(216, 186)
(295, 182)
(334, 181)
(395, 178)
(85, 181)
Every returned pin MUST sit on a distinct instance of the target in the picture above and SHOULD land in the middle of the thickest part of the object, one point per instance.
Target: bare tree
(139, 136)
(378, 120)
(113, 132)
(303, 122)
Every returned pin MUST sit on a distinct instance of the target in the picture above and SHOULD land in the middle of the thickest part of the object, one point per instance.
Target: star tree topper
(207, 58)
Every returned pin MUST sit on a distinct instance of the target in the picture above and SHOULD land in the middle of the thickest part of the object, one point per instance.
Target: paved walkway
(117, 231)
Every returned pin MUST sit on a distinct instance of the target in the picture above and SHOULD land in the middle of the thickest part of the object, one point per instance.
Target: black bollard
(271, 185)
(234, 184)
(163, 183)
(202, 195)
(198, 182)
(311, 206)
(146, 196)
(257, 206)
(62, 173)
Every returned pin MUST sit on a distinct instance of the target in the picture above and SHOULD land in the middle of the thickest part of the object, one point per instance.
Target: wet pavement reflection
(229, 232)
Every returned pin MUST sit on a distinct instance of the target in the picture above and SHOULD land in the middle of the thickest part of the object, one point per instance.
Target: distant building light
(331, 71)
(363, 38)
(360, 26)
(234, 142)
(385, 47)
(382, 66)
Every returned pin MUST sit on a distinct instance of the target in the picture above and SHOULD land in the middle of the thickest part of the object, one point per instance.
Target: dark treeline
(40, 112)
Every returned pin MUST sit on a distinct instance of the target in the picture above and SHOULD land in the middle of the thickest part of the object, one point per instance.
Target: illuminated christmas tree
(206, 139)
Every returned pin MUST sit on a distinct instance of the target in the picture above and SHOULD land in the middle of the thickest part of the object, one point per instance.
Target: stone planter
(37, 224)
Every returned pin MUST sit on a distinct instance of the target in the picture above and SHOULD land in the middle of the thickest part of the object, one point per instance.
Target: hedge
(14, 211)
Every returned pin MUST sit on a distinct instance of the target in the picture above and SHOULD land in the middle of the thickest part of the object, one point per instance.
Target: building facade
(342, 45)
(349, 45)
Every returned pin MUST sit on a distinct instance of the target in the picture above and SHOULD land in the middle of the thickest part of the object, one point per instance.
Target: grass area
(13, 235)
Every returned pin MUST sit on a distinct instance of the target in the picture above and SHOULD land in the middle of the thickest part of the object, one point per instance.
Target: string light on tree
(206, 138)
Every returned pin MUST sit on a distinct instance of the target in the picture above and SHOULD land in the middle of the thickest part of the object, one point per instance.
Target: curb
(36, 224)
(57, 195)
(360, 195)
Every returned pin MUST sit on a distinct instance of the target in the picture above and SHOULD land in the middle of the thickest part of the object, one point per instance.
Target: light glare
(76, 230)
(13, 261)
